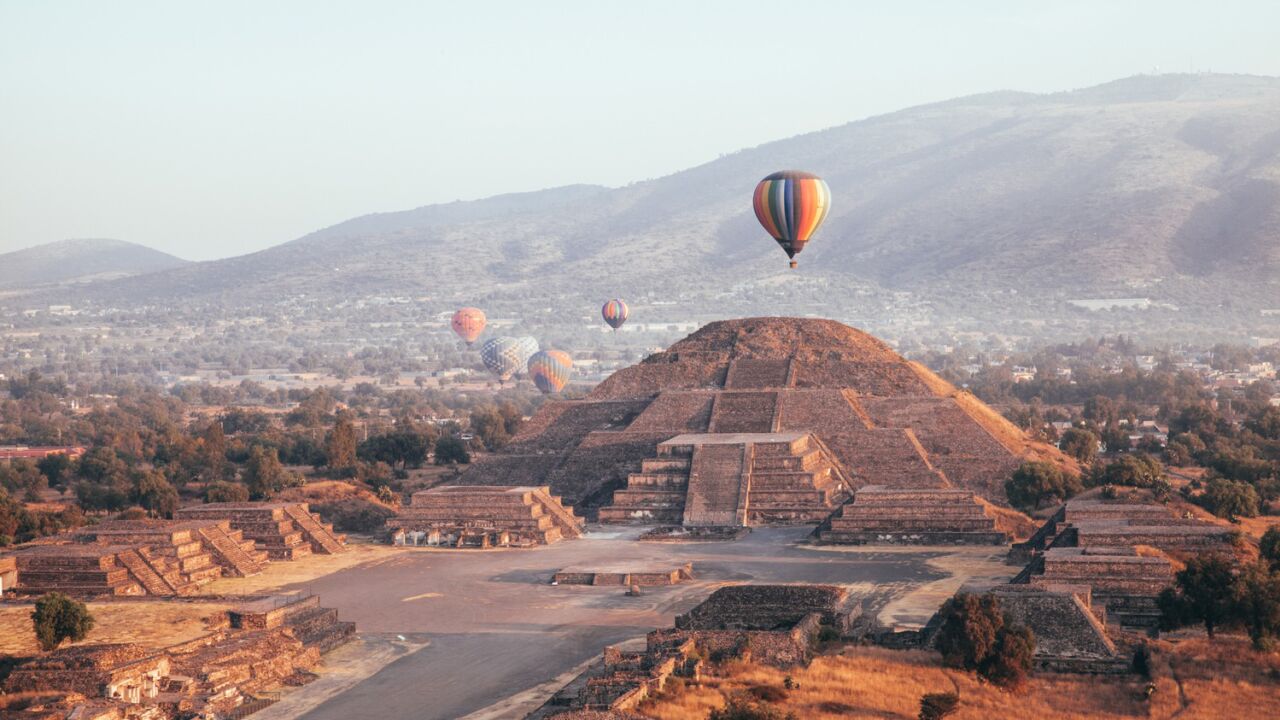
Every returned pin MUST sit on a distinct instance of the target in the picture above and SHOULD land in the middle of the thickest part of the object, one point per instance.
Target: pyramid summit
(761, 421)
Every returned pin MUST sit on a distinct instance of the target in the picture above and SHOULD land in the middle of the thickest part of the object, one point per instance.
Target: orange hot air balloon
(468, 323)
(550, 370)
(791, 205)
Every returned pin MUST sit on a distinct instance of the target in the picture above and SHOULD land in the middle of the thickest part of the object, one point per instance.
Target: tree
(489, 425)
(450, 450)
(405, 448)
(1269, 546)
(1202, 592)
(340, 445)
(57, 618)
(13, 516)
(1079, 444)
(264, 476)
(1257, 603)
(212, 453)
(152, 490)
(1034, 482)
(56, 467)
(1230, 499)
(1136, 470)
(976, 635)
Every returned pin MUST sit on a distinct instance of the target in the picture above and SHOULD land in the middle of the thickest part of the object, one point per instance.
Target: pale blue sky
(209, 129)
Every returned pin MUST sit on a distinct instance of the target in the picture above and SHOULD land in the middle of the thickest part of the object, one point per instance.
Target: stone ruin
(759, 421)
(285, 531)
(161, 558)
(1118, 550)
(922, 516)
(484, 516)
(261, 645)
(773, 624)
(625, 574)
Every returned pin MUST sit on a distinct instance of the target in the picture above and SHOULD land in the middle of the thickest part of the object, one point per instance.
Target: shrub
(742, 707)
(57, 618)
(1079, 444)
(353, 514)
(768, 693)
(1136, 470)
(226, 492)
(1257, 604)
(1230, 499)
(935, 706)
(450, 450)
(828, 634)
(1036, 482)
(1010, 660)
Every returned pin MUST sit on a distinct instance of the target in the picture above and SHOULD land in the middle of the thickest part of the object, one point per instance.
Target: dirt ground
(151, 623)
(301, 572)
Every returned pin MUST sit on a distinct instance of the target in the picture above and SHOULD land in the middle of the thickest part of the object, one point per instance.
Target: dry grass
(1223, 680)
(1017, 524)
(153, 624)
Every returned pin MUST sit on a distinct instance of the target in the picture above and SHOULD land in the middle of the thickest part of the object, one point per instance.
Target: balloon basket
(793, 264)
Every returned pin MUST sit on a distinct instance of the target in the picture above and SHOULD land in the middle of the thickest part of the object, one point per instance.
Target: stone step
(667, 464)
(841, 524)
(837, 537)
(856, 510)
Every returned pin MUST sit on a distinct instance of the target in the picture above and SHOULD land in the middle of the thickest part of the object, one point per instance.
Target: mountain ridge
(81, 260)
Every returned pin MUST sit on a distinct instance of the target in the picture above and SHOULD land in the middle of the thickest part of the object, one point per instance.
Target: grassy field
(1192, 679)
(153, 624)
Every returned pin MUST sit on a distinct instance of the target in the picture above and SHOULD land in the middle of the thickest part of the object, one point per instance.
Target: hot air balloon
(502, 356)
(791, 205)
(468, 323)
(550, 370)
(615, 313)
(527, 346)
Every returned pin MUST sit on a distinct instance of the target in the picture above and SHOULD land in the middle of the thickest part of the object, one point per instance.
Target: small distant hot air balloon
(468, 323)
(550, 370)
(615, 313)
(791, 205)
(502, 356)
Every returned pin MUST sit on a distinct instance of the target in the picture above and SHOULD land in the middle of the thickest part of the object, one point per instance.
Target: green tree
(489, 425)
(152, 490)
(976, 635)
(1079, 444)
(1257, 603)
(1230, 499)
(340, 446)
(57, 617)
(1035, 482)
(57, 468)
(450, 450)
(1269, 546)
(1136, 470)
(1202, 593)
(264, 476)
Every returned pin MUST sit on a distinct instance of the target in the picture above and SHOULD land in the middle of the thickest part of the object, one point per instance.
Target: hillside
(81, 261)
(1005, 204)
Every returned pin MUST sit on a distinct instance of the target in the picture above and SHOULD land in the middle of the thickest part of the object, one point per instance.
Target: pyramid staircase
(285, 531)
(732, 479)
(922, 516)
(80, 570)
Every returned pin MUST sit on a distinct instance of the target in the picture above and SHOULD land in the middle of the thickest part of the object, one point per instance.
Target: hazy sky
(209, 129)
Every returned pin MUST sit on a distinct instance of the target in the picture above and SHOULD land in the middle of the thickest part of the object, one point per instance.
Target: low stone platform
(1120, 579)
(485, 516)
(81, 570)
(914, 516)
(285, 531)
(1097, 523)
(124, 672)
(625, 574)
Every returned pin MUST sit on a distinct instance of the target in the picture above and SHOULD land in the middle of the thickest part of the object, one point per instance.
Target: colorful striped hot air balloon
(468, 323)
(502, 355)
(550, 370)
(791, 205)
(615, 313)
